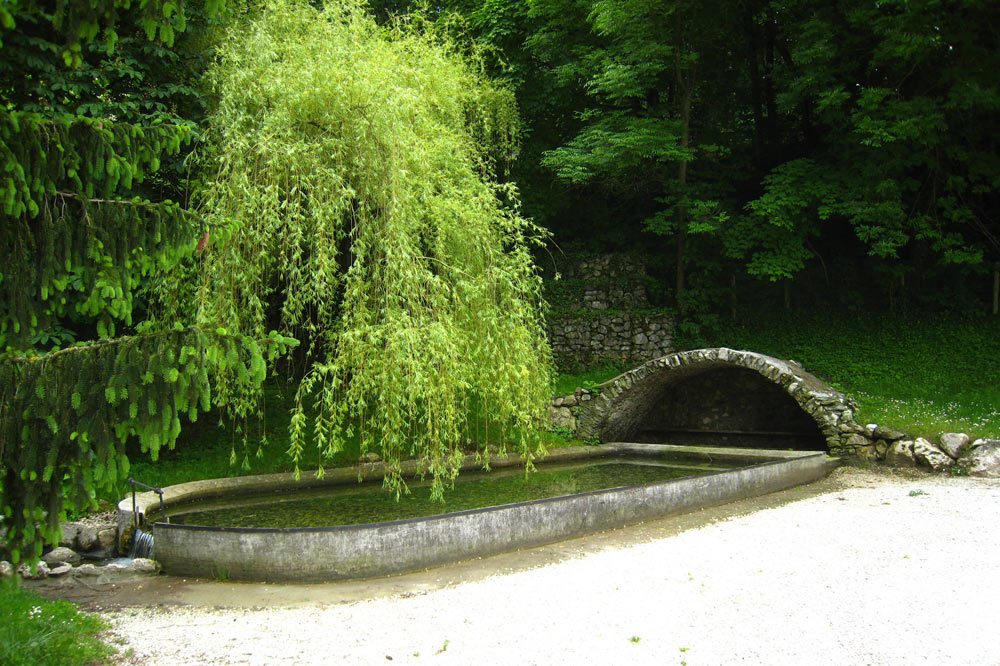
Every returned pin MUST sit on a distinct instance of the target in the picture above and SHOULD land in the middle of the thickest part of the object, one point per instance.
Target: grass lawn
(38, 632)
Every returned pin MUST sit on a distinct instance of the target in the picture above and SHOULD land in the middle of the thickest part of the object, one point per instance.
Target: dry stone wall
(600, 312)
(615, 336)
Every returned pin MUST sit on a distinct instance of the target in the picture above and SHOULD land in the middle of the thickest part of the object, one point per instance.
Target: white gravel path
(868, 574)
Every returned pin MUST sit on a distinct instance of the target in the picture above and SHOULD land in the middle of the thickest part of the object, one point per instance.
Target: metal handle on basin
(158, 491)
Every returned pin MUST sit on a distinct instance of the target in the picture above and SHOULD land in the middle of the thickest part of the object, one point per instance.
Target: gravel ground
(879, 570)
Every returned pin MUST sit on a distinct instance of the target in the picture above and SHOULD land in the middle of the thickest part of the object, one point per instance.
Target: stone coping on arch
(612, 415)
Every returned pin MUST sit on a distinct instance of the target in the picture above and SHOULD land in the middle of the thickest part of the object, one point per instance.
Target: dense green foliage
(74, 243)
(902, 104)
(846, 152)
(352, 209)
(90, 212)
(65, 416)
(38, 632)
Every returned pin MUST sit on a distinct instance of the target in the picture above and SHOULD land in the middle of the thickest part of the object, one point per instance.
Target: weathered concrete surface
(358, 551)
(147, 505)
(627, 403)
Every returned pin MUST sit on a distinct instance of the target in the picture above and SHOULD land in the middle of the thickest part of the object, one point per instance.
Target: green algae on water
(370, 503)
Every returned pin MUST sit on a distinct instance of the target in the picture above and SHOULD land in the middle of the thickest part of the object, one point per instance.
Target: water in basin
(370, 503)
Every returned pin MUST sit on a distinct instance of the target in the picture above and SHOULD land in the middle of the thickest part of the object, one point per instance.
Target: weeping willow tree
(354, 197)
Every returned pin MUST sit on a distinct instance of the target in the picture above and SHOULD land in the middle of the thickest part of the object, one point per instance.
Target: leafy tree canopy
(87, 217)
(897, 102)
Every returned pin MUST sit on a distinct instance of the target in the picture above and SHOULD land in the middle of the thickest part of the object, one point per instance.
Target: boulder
(61, 570)
(866, 453)
(107, 538)
(6, 569)
(900, 454)
(888, 434)
(562, 417)
(69, 533)
(852, 427)
(954, 443)
(86, 570)
(106, 545)
(86, 538)
(41, 571)
(61, 555)
(856, 443)
(145, 565)
(930, 456)
(985, 460)
(983, 442)
(881, 449)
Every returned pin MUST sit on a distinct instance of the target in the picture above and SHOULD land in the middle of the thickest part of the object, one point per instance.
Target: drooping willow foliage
(354, 187)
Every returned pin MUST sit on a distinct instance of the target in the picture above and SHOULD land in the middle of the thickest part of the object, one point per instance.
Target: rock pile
(50, 567)
(93, 538)
(954, 450)
(562, 412)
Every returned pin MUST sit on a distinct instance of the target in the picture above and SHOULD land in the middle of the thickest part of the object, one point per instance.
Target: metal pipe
(158, 491)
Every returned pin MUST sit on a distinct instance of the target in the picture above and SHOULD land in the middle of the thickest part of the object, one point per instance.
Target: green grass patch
(567, 382)
(923, 375)
(38, 632)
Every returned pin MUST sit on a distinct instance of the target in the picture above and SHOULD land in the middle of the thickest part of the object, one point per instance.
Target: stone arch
(768, 397)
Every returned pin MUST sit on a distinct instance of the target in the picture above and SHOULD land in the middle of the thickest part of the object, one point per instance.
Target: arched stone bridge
(730, 397)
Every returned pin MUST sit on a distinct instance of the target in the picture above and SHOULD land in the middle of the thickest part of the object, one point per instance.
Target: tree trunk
(685, 89)
(756, 92)
(732, 297)
(996, 288)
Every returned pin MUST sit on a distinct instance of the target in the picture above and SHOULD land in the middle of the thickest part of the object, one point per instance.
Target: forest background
(835, 155)
(782, 162)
